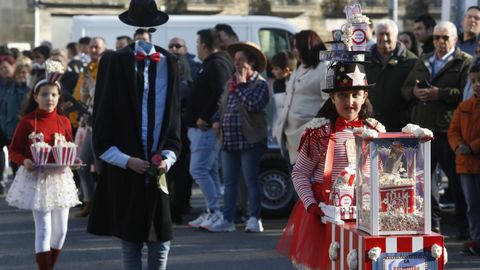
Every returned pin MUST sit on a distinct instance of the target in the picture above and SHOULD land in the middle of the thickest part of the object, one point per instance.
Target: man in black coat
(136, 117)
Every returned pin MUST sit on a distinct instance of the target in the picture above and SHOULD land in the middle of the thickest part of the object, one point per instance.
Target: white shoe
(196, 222)
(211, 219)
(222, 226)
(254, 225)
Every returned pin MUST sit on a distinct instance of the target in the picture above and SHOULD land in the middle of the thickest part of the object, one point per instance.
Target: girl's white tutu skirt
(43, 189)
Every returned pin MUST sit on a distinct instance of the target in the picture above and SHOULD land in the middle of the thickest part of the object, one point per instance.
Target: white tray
(54, 165)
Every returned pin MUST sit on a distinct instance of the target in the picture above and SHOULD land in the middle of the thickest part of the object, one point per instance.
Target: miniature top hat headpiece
(346, 76)
(143, 13)
(54, 70)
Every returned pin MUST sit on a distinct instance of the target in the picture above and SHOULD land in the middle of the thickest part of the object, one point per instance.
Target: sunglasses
(177, 46)
(437, 37)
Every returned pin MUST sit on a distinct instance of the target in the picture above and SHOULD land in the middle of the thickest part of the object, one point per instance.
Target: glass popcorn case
(393, 184)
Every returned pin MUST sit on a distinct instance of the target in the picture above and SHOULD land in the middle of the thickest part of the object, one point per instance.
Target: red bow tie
(155, 57)
(342, 124)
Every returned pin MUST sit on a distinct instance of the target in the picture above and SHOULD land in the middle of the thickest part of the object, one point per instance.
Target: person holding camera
(438, 80)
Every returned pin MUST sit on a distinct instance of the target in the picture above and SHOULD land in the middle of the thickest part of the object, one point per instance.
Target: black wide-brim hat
(143, 13)
(346, 76)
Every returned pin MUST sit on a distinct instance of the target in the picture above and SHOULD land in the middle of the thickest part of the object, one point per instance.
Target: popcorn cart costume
(390, 226)
(305, 236)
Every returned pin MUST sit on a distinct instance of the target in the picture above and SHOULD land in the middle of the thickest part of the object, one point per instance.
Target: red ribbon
(155, 57)
(342, 124)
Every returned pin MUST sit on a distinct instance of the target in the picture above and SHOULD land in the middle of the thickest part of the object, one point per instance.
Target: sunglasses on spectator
(177, 46)
(437, 37)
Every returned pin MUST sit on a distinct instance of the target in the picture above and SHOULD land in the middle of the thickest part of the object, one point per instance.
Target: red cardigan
(47, 123)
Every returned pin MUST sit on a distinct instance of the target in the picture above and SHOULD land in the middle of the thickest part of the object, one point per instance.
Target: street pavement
(191, 249)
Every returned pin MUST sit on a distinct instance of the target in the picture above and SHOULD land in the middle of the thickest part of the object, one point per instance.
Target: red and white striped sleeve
(304, 170)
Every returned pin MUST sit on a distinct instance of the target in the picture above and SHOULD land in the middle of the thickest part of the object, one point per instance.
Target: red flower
(157, 160)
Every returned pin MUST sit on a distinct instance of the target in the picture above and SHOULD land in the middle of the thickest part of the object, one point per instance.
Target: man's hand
(420, 93)
(432, 93)
(463, 149)
(137, 165)
(202, 124)
(29, 165)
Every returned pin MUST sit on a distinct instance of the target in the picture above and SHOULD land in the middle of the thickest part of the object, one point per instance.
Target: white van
(271, 33)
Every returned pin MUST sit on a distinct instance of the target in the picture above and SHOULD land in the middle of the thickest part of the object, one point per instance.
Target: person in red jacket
(49, 191)
(464, 138)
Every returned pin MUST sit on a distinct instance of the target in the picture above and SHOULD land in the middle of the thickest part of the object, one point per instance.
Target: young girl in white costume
(48, 191)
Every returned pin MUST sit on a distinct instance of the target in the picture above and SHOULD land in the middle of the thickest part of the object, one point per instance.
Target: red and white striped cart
(354, 249)
(392, 193)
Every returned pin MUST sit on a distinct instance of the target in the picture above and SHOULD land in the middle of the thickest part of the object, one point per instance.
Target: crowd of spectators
(421, 76)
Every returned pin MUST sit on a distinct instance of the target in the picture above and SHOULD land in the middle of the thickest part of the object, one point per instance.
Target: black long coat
(124, 205)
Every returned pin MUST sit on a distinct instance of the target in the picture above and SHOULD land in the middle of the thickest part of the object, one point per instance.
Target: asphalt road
(191, 249)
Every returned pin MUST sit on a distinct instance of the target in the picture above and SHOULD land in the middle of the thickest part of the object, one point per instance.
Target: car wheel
(278, 192)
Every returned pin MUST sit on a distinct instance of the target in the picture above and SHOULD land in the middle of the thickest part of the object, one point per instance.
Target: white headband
(45, 81)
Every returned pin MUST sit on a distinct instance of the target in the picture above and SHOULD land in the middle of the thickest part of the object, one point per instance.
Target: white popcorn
(374, 253)
(369, 133)
(418, 131)
(409, 128)
(436, 251)
(54, 66)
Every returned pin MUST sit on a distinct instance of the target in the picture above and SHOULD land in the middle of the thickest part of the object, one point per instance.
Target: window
(274, 40)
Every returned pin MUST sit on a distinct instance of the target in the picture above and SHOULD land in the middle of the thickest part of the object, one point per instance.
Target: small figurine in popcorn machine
(326, 149)
(48, 192)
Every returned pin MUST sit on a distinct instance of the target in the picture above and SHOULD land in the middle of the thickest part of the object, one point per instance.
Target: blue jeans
(471, 190)
(157, 255)
(204, 164)
(248, 162)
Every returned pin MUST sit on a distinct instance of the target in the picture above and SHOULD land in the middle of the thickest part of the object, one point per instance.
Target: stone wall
(16, 20)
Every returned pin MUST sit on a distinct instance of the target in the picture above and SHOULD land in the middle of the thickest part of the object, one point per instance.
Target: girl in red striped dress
(326, 148)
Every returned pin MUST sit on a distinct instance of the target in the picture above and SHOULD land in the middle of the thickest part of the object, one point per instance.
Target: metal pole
(446, 10)
(393, 10)
(36, 22)
(459, 11)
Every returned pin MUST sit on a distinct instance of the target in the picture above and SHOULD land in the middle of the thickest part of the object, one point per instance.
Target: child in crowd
(464, 138)
(283, 64)
(348, 107)
(48, 191)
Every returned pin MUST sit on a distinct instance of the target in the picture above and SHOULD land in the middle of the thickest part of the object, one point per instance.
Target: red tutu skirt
(303, 239)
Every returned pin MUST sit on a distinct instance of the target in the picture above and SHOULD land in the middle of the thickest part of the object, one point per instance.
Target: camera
(424, 84)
